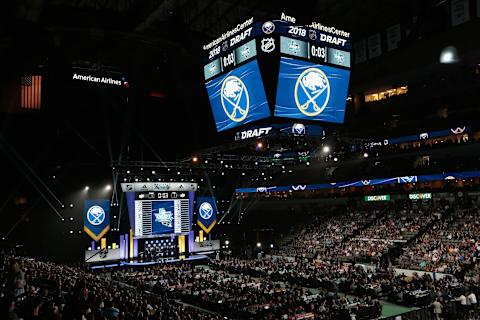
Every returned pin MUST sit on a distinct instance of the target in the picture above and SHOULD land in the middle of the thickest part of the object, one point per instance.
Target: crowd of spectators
(451, 245)
(34, 289)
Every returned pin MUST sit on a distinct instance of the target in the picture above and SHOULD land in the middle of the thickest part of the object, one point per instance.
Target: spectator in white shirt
(472, 301)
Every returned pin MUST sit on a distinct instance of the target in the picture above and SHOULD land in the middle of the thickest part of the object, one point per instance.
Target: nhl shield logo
(312, 92)
(235, 98)
(268, 45)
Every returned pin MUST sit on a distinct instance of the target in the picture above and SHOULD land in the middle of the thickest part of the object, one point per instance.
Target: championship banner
(206, 213)
(96, 221)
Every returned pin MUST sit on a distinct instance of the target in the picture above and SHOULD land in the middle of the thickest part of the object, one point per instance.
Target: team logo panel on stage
(238, 97)
(162, 217)
(311, 91)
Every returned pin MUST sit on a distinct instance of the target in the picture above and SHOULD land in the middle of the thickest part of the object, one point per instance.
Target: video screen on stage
(311, 91)
(238, 97)
(161, 213)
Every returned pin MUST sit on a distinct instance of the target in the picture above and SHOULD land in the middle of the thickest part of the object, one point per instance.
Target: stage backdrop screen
(238, 97)
(161, 213)
(311, 91)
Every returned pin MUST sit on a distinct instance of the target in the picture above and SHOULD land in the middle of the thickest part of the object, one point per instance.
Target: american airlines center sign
(94, 79)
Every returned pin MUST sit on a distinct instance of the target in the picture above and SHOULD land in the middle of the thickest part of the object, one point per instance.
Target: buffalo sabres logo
(299, 187)
(424, 136)
(268, 27)
(164, 217)
(407, 179)
(298, 129)
(312, 34)
(365, 182)
(95, 215)
(205, 210)
(235, 98)
(457, 130)
(312, 92)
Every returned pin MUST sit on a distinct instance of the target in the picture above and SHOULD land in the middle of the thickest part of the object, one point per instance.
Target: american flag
(31, 92)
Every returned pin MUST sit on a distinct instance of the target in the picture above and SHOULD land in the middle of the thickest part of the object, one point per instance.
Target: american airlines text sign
(158, 186)
(253, 133)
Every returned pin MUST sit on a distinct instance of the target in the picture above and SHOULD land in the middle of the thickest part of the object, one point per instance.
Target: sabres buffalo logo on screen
(238, 97)
(311, 91)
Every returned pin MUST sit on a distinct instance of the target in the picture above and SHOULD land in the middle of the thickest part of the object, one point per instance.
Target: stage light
(259, 245)
(243, 173)
(153, 172)
(449, 55)
(326, 149)
(63, 219)
(87, 188)
(108, 187)
(259, 145)
(136, 179)
(308, 163)
(71, 205)
(271, 245)
(206, 161)
(256, 163)
(365, 155)
(194, 159)
(71, 218)
(227, 242)
(71, 231)
(128, 171)
(148, 179)
(124, 179)
(221, 161)
(63, 206)
(335, 159)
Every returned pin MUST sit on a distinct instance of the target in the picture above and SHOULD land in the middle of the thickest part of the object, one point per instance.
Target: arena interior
(234, 159)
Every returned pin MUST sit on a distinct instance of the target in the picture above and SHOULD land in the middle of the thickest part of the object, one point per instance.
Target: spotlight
(128, 171)
(326, 149)
(271, 245)
(63, 206)
(259, 245)
(71, 231)
(87, 188)
(227, 242)
(259, 145)
(153, 171)
(335, 159)
(71, 218)
(365, 155)
(108, 187)
(71, 205)
(194, 159)
(308, 163)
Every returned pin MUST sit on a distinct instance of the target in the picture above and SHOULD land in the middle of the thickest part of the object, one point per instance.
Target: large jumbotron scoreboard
(260, 69)
(160, 209)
